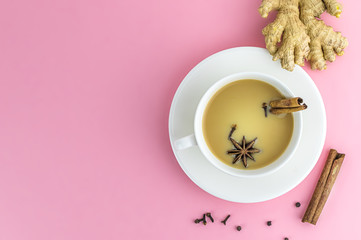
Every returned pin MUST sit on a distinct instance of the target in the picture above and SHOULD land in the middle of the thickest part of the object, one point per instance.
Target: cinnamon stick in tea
(324, 186)
(286, 103)
(287, 110)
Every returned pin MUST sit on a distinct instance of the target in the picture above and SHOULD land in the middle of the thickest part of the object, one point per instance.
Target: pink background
(85, 92)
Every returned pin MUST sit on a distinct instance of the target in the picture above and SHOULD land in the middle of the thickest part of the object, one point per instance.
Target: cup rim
(275, 165)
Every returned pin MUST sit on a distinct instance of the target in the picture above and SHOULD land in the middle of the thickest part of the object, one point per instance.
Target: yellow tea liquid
(240, 103)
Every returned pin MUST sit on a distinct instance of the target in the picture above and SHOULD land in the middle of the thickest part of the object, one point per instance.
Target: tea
(240, 103)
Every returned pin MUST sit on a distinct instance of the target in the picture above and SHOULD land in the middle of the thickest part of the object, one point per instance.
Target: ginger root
(298, 34)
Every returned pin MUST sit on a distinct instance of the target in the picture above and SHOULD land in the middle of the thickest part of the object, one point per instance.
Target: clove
(203, 220)
(264, 106)
(210, 216)
(225, 220)
(233, 128)
(197, 220)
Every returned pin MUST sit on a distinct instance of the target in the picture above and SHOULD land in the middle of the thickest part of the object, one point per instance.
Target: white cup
(197, 139)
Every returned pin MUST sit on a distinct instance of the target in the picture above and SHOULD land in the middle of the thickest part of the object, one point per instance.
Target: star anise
(243, 150)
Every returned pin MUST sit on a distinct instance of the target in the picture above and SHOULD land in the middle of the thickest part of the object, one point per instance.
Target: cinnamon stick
(286, 103)
(329, 184)
(323, 187)
(287, 110)
(310, 212)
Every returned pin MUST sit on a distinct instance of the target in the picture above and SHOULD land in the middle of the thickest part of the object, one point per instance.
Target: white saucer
(218, 183)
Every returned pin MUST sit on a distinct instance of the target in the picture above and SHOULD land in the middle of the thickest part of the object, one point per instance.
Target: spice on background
(239, 228)
(324, 186)
(210, 216)
(225, 220)
(203, 219)
(197, 220)
(269, 223)
(298, 204)
(305, 33)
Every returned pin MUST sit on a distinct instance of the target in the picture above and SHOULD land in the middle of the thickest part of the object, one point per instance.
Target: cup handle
(185, 142)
